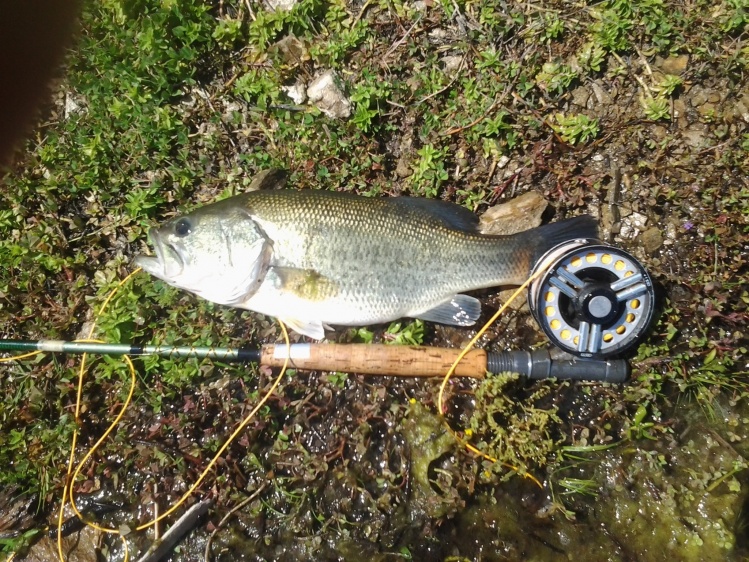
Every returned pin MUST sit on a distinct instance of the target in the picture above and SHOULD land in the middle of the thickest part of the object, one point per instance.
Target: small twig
(232, 511)
(181, 527)
(156, 530)
(492, 168)
(400, 41)
(644, 63)
(358, 17)
(248, 3)
(715, 147)
(497, 101)
(449, 84)
(473, 123)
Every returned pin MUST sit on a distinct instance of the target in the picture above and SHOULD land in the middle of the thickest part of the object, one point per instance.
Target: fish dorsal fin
(306, 284)
(460, 310)
(451, 215)
(268, 179)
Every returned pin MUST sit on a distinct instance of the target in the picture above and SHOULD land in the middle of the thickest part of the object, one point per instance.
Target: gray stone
(297, 92)
(281, 5)
(328, 97)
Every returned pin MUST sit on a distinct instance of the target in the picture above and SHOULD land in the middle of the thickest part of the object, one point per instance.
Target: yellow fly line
(442, 407)
(72, 473)
(74, 470)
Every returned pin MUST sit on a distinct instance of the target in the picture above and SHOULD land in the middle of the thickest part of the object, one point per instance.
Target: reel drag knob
(594, 300)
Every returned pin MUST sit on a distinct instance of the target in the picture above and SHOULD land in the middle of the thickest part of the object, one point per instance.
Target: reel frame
(594, 301)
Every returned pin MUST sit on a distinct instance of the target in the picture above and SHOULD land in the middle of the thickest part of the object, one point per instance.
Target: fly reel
(594, 300)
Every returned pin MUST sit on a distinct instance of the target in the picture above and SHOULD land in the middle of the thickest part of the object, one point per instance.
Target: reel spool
(594, 301)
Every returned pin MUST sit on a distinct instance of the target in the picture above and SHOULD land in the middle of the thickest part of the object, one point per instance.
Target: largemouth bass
(321, 258)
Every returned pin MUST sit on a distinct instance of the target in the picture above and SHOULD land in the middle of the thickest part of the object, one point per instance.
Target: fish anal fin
(460, 310)
(306, 284)
(310, 328)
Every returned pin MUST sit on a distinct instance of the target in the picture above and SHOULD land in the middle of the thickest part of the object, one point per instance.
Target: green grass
(172, 104)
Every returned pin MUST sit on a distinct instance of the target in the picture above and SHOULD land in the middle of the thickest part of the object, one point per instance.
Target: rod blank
(369, 359)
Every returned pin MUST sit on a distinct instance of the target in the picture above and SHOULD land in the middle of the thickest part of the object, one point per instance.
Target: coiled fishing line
(74, 470)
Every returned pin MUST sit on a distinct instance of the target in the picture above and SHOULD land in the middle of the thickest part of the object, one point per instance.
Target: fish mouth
(166, 264)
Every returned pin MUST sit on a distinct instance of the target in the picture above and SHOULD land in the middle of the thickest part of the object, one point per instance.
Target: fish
(316, 258)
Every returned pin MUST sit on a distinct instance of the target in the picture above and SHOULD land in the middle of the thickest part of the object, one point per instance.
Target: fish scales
(314, 258)
(387, 259)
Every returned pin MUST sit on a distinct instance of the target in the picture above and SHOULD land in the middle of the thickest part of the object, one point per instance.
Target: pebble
(297, 92)
(291, 49)
(672, 65)
(73, 105)
(602, 96)
(328, 97)
(281, 5)
(451, 63)
(651, 240)
(581, 96)
(516, 215)
(403, 166)
(695, 135)
(632, 225)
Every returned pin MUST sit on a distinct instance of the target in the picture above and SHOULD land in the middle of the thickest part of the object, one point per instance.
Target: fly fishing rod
(368, 359)
(593, 302)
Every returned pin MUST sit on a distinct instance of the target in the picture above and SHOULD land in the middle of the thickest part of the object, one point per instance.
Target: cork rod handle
(376, 359)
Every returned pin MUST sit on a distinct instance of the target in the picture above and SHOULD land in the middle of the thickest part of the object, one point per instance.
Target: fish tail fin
(548, 236)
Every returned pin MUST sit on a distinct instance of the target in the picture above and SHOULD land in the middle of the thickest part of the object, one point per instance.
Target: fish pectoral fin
(306, 284)
(310, 328)
(460, 310)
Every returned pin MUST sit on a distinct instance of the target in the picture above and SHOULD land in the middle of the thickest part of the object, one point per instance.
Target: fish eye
(182, 227)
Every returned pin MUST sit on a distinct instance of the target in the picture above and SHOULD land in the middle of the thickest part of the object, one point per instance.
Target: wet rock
(518, 214)
(651, 240)
(328, 97)
(81, 546)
